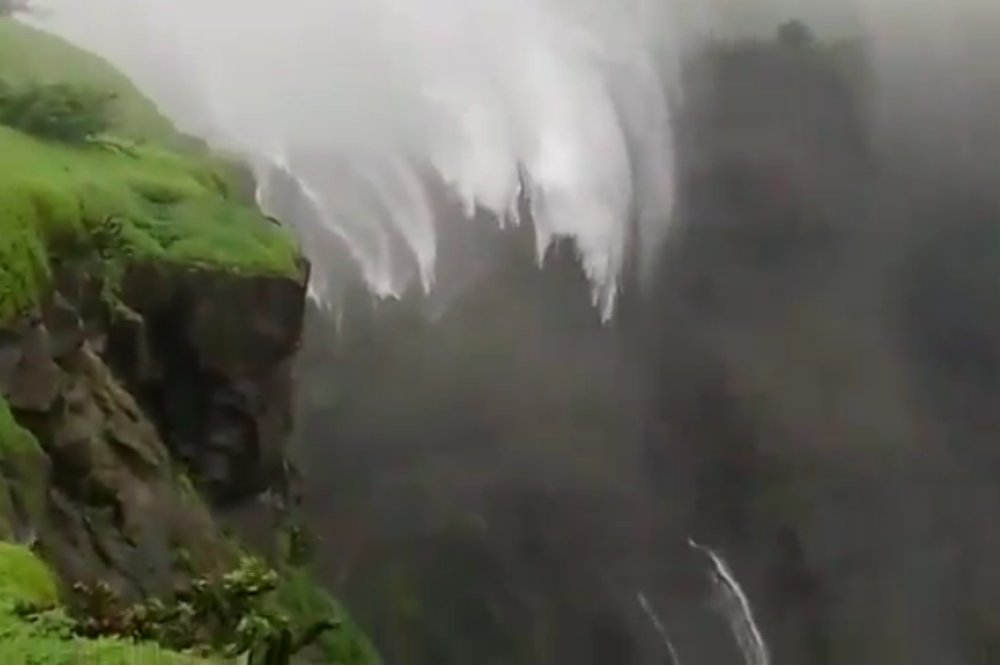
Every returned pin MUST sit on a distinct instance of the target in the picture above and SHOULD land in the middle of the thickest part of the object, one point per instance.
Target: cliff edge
(149, 317)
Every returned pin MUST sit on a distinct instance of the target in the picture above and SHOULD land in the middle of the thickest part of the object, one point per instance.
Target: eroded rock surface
(210, 354)
(181, 381)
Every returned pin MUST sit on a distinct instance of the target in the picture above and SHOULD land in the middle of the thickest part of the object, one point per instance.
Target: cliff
(149, 317)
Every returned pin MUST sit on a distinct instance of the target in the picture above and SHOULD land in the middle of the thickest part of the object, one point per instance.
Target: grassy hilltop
(172, 204)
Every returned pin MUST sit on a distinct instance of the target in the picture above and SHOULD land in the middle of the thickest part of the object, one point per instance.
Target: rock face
(822, 344)
(181, 380)
(210, 353)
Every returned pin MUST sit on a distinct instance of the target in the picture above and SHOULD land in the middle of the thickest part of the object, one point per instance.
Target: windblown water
(354, 98)
(735, 606)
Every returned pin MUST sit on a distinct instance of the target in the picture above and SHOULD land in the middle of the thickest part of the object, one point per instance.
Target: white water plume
(352, 97)
(570, 93)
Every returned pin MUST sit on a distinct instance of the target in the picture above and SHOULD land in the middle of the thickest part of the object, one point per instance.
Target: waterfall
(573, 97)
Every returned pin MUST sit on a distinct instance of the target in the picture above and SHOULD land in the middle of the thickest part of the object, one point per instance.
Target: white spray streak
(654, 619)
(480, 91)
(737, 608)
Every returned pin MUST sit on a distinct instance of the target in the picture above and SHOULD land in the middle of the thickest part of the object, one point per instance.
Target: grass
(174, 206)
(31, 55)
(25, 579)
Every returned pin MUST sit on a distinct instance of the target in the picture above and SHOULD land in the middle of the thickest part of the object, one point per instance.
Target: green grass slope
(175, 207)
(25, 579)
(27, 54)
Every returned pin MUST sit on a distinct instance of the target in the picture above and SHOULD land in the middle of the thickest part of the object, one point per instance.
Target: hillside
(149, 315)
(34, 55)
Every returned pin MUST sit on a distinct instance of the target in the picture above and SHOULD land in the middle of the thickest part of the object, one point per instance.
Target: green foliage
(60, 112)
(24, 578)
(38, 57)
(147, 194)
(25, 581)
(151, 205)
(233, 615)
(141, 193)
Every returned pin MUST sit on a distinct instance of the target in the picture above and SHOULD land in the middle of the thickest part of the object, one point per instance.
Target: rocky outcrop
(210, 354)
(137, 400)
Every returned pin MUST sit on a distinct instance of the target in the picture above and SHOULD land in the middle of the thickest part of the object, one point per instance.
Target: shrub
(234, 615)
(56, 111)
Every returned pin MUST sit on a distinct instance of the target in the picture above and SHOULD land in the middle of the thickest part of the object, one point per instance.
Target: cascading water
(573, 95)
(576, 94)
(735, 606)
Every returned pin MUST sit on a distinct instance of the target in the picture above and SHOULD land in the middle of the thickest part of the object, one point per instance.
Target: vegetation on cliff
(25, 581)
(163, 204)
(104, 209)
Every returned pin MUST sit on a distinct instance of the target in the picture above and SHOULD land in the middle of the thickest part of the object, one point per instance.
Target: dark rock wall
(826, 362)
(182, 379)
(218, 381)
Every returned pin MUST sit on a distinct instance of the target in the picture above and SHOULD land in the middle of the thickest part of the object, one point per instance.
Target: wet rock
(35, 382)
(209, 355)
(10, 357)
(190, 371)
(66, 329)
